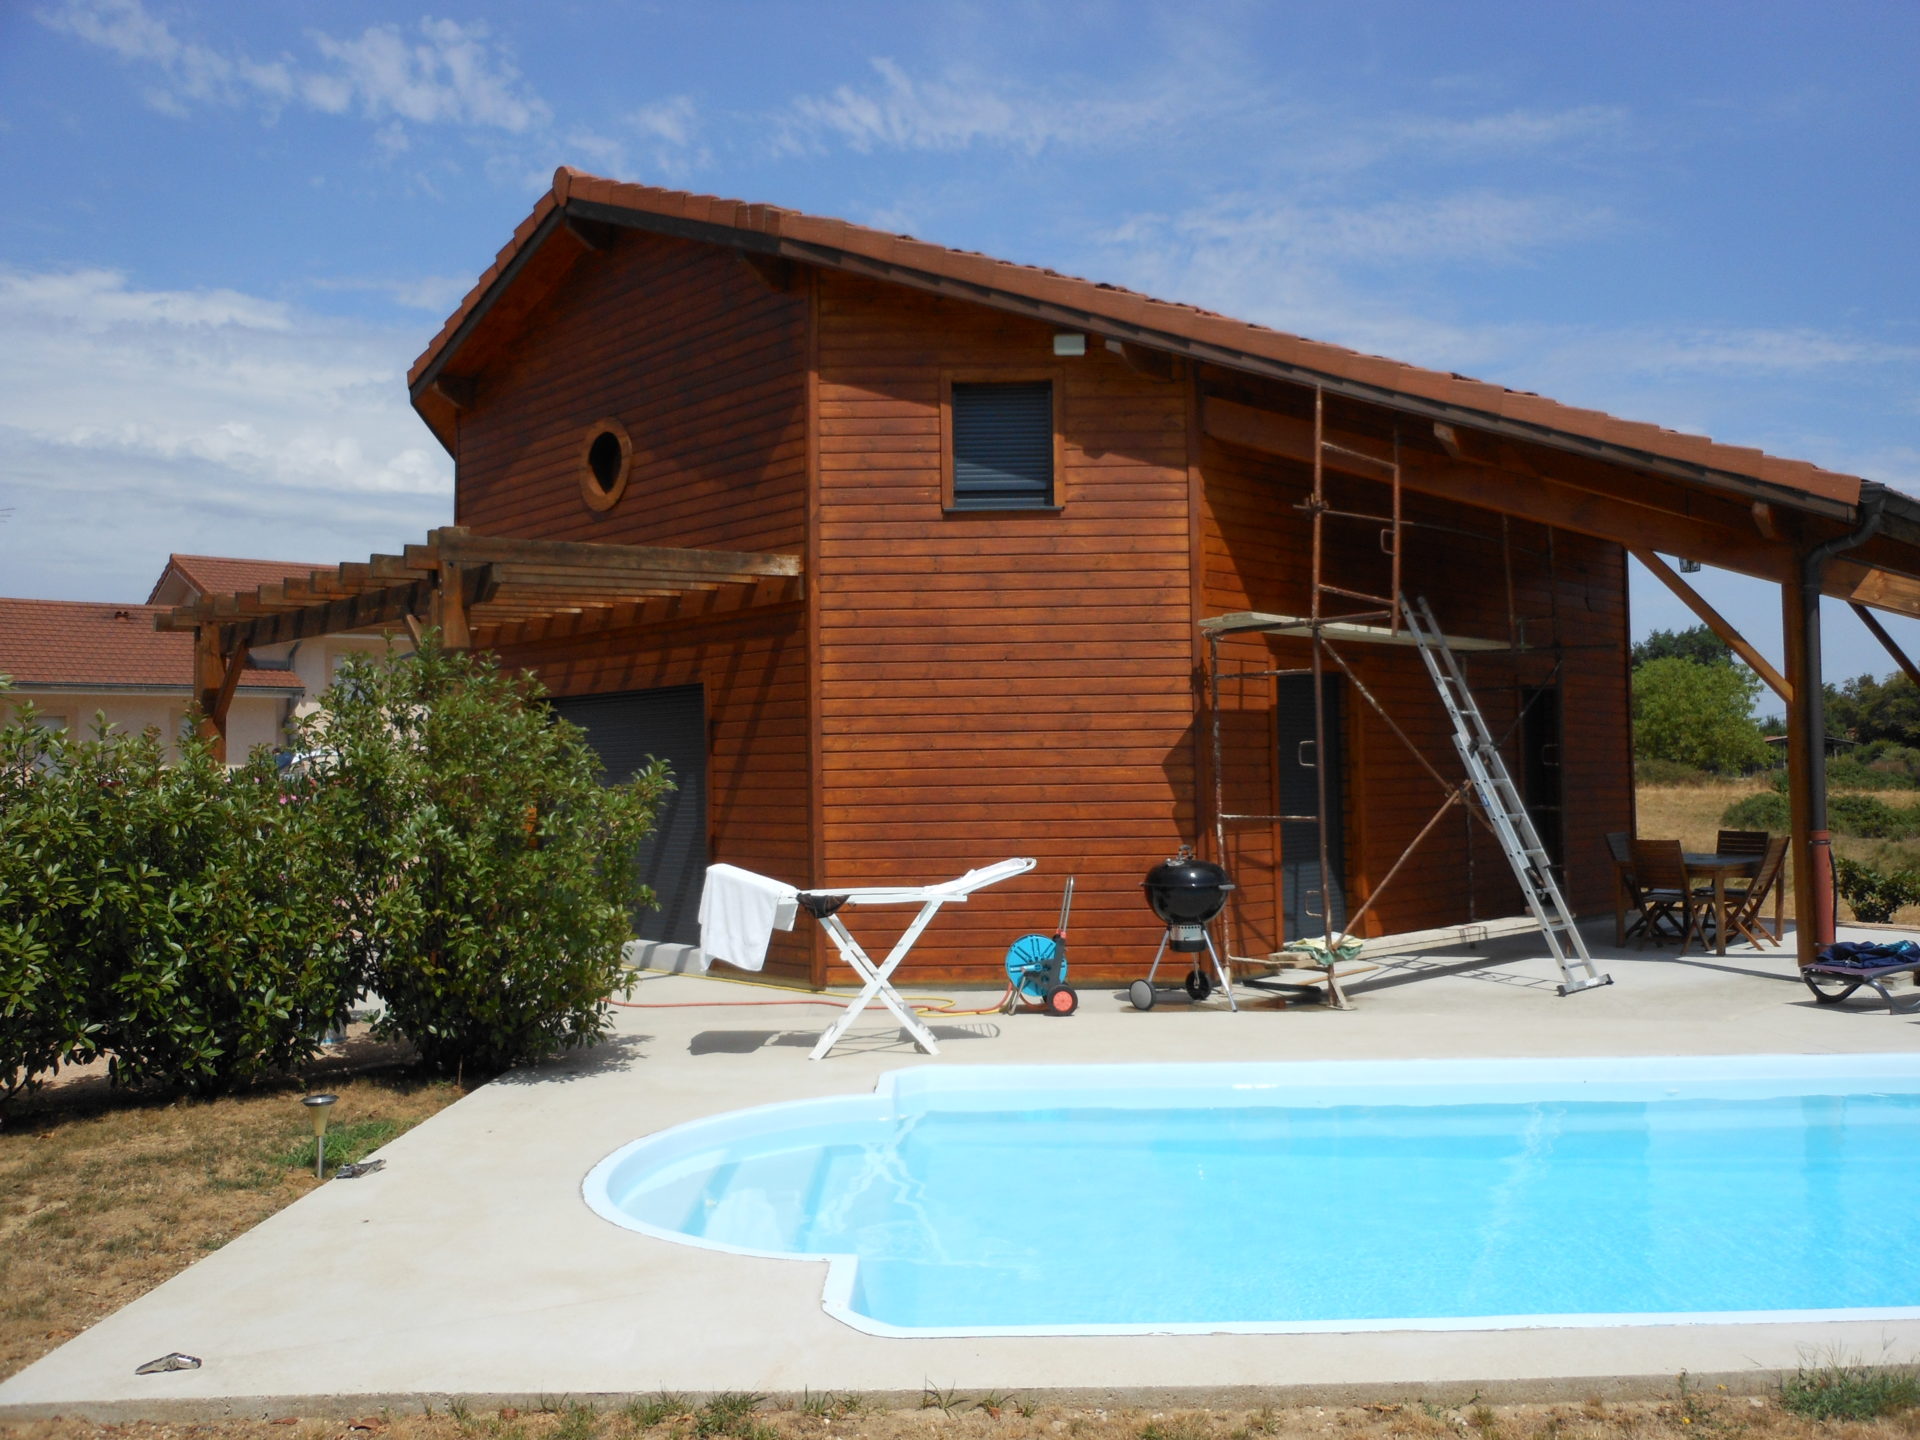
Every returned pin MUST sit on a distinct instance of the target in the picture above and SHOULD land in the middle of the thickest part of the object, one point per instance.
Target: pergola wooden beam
(474, 589)
(1716, 622)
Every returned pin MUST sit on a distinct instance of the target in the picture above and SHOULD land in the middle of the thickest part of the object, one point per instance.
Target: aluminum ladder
(1500, 799)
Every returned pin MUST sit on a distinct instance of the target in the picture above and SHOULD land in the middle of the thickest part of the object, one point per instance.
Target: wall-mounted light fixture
(1067, 342)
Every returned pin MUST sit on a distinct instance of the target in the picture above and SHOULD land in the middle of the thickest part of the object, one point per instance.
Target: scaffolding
(1342, 614)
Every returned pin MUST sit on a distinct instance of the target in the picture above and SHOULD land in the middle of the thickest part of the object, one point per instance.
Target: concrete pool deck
(471, 1268)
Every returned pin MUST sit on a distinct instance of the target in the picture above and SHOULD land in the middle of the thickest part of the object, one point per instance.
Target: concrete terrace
(470, 1267)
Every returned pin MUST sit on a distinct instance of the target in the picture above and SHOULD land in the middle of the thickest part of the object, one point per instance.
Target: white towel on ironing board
(739, 911)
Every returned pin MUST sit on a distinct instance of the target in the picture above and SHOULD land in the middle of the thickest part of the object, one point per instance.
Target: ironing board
(824, 906)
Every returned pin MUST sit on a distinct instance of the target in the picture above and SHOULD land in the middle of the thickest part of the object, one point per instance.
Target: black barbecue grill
(1186, 892)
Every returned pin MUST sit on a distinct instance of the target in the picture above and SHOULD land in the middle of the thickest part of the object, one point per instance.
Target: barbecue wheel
(1141, 994)
(1199, 987)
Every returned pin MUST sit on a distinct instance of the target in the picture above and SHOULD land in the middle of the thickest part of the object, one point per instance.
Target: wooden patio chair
(1669, 906)
(1743, 916)
(1742, 842)
(1620, 847)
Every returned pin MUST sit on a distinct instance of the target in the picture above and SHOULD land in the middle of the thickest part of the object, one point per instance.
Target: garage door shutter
(626, 730)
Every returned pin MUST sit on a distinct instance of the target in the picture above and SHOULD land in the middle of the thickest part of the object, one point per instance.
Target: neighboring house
(994, 511)
(76, 660)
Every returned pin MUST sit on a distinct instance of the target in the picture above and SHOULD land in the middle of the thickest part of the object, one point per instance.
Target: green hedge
(1847, 814)
(444, 842)
(168, 915)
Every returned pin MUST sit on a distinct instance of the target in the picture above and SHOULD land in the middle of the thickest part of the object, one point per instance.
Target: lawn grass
(1691, 814)
(1687, 1413)
(104, 1197)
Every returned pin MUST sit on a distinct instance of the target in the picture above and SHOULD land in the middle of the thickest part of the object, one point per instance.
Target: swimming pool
(1315, 1196)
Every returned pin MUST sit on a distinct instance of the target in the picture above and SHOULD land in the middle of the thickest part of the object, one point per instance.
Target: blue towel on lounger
(1870, 955)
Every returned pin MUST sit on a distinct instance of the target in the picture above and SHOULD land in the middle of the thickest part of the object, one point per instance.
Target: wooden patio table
(1717, 868)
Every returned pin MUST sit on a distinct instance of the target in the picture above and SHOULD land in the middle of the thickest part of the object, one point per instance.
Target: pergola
(479, 592)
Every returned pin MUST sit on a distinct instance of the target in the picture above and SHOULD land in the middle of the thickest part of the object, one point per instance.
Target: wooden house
(974, 519)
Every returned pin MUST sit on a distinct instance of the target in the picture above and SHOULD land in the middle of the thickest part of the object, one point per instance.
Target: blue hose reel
(1037, 967)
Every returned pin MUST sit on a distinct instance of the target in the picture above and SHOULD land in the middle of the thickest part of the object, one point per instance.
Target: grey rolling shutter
(1003, 446)
(626, 731)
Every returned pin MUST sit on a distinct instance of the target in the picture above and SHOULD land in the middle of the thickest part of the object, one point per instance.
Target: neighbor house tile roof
(224, 575)
(823, 240)
(75, 643)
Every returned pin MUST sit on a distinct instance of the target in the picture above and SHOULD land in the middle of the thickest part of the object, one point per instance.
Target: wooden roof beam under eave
(1548, 500)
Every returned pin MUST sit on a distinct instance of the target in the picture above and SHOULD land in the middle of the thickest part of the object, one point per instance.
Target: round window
(604, 461)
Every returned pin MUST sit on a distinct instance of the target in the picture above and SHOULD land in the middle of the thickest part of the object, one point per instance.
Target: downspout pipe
(1811, 703)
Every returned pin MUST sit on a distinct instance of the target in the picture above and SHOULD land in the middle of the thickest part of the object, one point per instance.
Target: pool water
(1316, 1196)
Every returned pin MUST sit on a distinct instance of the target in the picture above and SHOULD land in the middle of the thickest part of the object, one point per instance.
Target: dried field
(1688, 1413)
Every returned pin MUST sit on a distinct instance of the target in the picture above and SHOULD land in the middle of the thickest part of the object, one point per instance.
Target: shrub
(490, 876)
(43, 992)
(1861, 815)
(172, 915)
(1765, 811)
(1866, 816)
(1850, 773)
(230, 959)
(1651, 770)
(1875, 895)
(1841, 1391)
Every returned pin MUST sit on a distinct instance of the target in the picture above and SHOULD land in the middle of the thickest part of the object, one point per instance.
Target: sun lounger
(1845, 967)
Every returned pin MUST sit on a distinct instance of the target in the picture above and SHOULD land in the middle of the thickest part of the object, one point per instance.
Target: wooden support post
(216, 675)
(1716, 622)
(1811, 845)
(455, 633)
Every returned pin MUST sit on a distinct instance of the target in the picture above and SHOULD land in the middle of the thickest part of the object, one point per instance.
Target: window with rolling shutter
(1002, 445)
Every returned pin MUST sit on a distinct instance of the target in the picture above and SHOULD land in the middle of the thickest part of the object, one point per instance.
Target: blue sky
(230, 227)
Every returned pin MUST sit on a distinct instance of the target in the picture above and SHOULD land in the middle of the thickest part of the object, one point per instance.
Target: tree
(1699, 715)
(489, 876)
(1699, 644)
(1866, 709)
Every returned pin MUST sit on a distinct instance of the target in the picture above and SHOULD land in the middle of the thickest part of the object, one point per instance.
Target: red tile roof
(75, 643)
(1129, 309)
(224, 575)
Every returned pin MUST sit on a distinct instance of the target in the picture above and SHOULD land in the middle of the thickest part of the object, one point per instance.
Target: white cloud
(96, 299)
(134, 422)
(1510, 132)
(436, 294)
(450, 74)
(954, 113)
(444, 72)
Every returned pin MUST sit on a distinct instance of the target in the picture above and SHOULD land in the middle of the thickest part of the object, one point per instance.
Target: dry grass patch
(99, 1205)
(1687, 1414)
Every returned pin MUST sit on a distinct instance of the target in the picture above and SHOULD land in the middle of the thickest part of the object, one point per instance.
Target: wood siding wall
(1474, 569)
(996, 684)
(706, 367)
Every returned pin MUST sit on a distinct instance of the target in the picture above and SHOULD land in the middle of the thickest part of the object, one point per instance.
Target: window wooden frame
(590, 491)
(1010, 375)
